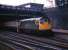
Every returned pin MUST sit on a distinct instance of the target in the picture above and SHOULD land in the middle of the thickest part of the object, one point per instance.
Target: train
(33, 25)
(37, 25)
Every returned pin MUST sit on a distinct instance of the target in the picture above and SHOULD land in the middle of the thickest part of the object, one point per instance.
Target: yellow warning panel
(44, 26)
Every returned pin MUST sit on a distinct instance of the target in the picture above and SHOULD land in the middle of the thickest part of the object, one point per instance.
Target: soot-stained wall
(59, 17)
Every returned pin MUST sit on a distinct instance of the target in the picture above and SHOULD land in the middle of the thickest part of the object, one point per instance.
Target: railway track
(20, 39)
(43, 40)
(15, 45)
(60, 37)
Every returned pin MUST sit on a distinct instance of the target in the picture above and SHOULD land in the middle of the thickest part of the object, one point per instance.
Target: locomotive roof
(30, 19)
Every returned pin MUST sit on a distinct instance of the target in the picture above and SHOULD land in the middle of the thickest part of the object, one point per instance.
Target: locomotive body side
(35, 25)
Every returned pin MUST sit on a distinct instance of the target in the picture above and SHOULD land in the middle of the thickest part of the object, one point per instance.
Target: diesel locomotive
(38, 25)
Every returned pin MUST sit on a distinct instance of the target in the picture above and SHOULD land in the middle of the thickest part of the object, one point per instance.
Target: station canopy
(47, 3)
(11, 9)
